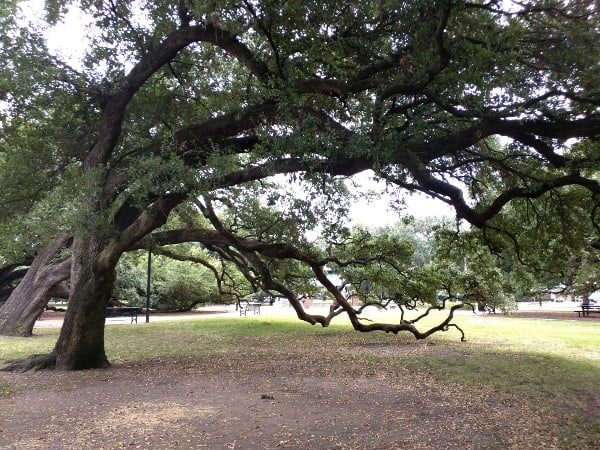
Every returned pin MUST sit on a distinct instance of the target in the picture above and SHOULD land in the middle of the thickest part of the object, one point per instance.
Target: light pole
(148, 286)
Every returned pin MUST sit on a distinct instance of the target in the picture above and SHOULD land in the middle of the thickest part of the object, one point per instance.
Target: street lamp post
(148, 286)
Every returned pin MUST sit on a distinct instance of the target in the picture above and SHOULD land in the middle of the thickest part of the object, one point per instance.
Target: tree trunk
(94, 258)
(8, 275)
(80, 344)
(28, 299)
(81, 341)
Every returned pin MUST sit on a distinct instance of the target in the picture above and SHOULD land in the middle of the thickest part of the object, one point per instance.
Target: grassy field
(554, 363)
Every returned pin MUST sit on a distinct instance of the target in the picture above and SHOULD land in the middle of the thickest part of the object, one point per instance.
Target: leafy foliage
(175, 285)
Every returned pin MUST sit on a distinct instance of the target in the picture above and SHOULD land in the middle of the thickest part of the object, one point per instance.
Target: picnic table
(586, 309)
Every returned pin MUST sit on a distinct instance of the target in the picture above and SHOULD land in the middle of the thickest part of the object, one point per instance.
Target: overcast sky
(376, 211)
(68, 41)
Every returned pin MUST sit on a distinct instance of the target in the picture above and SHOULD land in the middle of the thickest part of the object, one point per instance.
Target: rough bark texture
(9, 275)
(27, 301)
(81, 341)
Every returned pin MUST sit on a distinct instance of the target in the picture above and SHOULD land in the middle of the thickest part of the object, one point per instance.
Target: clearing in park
(268, 381)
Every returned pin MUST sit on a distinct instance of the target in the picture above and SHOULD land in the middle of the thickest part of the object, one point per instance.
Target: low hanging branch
(387, 327)
(252, 258)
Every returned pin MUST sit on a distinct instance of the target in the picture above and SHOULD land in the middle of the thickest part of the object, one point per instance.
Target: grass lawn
(553, 363)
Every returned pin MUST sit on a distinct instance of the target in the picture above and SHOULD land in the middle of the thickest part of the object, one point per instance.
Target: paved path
(55, 319)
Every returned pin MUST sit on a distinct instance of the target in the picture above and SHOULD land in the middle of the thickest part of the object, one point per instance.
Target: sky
(68, 41)
(377, 211)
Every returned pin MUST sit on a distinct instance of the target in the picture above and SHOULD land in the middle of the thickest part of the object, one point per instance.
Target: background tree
(47, 270)
(421, 232)
(183, 277)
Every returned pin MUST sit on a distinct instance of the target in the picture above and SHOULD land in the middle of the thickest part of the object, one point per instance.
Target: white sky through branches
(68, 42)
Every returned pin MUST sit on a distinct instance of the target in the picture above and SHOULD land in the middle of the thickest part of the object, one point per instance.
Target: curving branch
(251, 257)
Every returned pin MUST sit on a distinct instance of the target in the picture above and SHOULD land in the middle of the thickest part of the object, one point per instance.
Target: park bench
(124, 311)
(246, 307)
(585, 310)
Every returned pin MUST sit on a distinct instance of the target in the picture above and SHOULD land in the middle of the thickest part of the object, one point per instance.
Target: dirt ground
(264, 400)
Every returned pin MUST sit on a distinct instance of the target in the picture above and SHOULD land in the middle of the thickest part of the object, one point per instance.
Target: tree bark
(28, 299)
(8, 276)
(81, 341)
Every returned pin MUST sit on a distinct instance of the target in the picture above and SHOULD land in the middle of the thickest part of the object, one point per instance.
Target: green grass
(14, 347)
(555, 364)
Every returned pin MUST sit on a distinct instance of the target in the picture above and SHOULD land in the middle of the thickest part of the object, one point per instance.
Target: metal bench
(124, 311)
(245, 308)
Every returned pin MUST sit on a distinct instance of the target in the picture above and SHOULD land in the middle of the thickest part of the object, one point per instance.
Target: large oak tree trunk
(27, 301)
(81, 341)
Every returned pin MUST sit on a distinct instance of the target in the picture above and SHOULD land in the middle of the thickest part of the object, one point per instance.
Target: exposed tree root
(31, 363)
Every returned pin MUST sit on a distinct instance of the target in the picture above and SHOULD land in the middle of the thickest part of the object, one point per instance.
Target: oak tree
(175, 101)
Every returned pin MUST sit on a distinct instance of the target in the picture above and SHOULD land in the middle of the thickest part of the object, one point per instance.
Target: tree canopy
(488, 106)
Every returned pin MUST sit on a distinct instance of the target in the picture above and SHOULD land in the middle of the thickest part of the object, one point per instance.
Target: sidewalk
(55, 319)
(51, 319)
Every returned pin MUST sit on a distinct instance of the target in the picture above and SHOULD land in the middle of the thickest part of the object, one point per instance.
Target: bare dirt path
(253, 403)
(265, 398)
